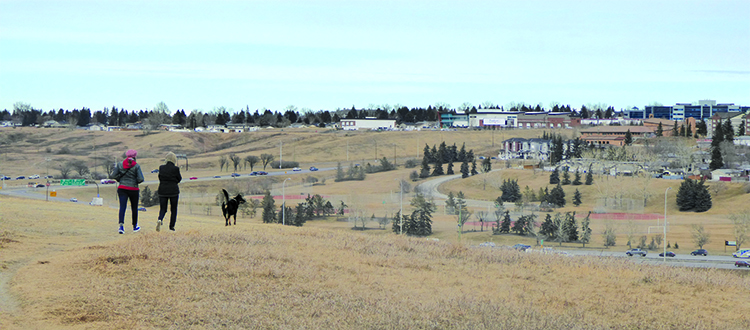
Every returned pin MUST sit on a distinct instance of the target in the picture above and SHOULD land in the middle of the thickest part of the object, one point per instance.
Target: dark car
(49, 177)
(5, 177)
(217, 176)
(742, 263)
(40, 185)
(313, 168)
(21, 177)
(699, 252)
(521, 247)
(253, 173)
(633, 252)
(669, 254)
(234, 175)
(262, 173)
(155, 171)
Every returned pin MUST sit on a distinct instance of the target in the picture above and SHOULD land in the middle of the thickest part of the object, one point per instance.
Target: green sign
(72, 182)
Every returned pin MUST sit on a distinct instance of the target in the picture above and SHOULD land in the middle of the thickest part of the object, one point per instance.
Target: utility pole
(281, 145)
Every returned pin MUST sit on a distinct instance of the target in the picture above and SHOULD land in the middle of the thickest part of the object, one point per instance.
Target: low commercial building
(368, 123)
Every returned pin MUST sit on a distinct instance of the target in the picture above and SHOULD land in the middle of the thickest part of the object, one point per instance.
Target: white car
(74, 200)
(35, 176)
(296, 169)
(744, 253)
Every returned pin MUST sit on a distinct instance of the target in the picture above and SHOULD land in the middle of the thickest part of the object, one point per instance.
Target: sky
(324, 55)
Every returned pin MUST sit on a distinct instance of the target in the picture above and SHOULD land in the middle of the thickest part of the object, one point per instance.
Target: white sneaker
(158, 225)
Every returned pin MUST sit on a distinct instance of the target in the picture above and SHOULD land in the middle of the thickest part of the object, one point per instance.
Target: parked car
(193, 178)
(35, 176)
(234, 175)
(633, 252)
(296, 169)
(155, 171)
(107, 181)
(521, 247)
(669, 254)
(742, 263)
(40, 185)
(744, 253)
(699, 252)
(74, 200)
(313, 168)
(20, 177)
(49, 177)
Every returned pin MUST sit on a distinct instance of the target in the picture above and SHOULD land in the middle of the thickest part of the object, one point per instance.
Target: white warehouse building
(368, 123)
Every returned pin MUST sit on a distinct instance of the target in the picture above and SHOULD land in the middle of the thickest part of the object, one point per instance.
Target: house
(525, 148)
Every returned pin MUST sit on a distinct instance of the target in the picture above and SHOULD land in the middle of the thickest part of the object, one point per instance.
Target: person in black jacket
(169, 178)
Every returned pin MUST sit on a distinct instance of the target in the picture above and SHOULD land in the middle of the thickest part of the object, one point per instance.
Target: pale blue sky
(330, 54)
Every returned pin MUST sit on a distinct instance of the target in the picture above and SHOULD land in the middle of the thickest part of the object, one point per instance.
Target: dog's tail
(224, 203)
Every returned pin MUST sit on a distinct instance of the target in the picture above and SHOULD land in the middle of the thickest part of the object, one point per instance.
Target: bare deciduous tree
(700, 236)
(236, 160)
(266, 159)
(252, 160)
(223, 161)
(741, 227)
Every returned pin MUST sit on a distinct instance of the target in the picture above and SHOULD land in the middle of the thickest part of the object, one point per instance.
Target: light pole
(665, 223)
(401, 213)
(281, 145)
(283, 203)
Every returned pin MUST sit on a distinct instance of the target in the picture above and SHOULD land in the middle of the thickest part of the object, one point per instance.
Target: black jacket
(169, 177)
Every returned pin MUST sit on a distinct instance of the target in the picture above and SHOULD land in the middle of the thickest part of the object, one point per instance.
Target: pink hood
(128, 163)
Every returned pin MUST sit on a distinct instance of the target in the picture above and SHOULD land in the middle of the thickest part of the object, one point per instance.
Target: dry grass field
(62, 265)
(72, 271)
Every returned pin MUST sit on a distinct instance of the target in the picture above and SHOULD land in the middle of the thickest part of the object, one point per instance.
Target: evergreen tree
(682, 130)
(557, 196)
(438, 170)
(339, 173)
(428, 154)
(505, 225)
(486, 165)
(443, 154)
(519, 226)
(541, 195)
(398, 222)
(589, 177)
(554, 177)
(741, 129)
(474, 167)
(577, 179)
(269, 210)
(464, 169)
(462, 153)
(716, 159)
(586, 230)
(577, 198)
(421, 218)
(629, 137)
(718, 135)
(450, 203)
(548, 228)
(659, 130)
(450, 168)
(566, 177)
(688, 131)
(701, 128)
(425, 171)
(693, 196)
(728, 130)
(675, 130)
(570, 227)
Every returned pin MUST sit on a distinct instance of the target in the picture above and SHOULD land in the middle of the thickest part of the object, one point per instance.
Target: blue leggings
(124, 196)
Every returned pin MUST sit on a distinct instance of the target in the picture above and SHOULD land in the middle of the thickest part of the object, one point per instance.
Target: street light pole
(281, 145)
(283, 203)
(665, 223)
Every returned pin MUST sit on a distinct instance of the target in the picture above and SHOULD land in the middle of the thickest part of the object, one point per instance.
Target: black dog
(230, 207)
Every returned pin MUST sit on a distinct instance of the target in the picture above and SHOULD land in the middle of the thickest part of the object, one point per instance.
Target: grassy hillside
(72, 271)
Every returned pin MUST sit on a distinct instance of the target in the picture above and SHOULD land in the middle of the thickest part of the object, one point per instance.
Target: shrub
(411, 163)
(284, 164)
